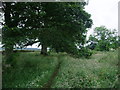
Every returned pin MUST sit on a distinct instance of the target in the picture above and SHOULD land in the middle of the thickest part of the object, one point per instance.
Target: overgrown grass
(30, 71)
(0, 69)
(101, 71)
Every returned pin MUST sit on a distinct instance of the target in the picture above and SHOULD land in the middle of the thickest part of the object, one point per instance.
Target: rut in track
(50, 82)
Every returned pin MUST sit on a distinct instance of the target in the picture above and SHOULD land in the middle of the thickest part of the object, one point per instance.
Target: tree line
(104, 39)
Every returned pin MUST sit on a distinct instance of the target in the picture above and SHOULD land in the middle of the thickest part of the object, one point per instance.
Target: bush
(85, 52)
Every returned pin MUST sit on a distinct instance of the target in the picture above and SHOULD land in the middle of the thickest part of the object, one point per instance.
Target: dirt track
(51, 80)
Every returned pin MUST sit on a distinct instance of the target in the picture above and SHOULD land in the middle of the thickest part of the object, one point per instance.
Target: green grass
(33, 71)
(98, 72)
(0, 69)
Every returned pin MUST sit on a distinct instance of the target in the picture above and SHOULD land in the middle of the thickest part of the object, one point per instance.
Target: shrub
(84, 52)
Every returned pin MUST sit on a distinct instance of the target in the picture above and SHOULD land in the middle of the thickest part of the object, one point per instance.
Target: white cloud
(103, 12)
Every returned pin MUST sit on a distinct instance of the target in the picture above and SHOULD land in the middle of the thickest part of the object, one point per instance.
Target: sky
(103, 12)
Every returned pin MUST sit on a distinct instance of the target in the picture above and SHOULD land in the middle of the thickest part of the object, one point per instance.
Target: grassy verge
(30, 71)
(101, 71)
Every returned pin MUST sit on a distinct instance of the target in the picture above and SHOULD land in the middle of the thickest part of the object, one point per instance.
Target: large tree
(65, 25)
(61, 26)
(17, 27)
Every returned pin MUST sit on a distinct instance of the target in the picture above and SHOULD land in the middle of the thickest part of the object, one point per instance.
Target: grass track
(35, 71)
(31, 71)
(101, 71)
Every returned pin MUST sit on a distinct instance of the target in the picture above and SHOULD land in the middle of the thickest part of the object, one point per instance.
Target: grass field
(34, 71)
(31, 70)
(0, 70)
(98, 72)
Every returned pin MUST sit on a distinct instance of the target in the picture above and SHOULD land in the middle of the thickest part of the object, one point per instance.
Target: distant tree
(103, 39)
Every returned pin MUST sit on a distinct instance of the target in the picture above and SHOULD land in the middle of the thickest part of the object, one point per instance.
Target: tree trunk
(9, 53)
(44, 49)
(8, 46)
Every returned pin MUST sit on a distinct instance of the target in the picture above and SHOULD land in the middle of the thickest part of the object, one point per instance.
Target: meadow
(32, 70)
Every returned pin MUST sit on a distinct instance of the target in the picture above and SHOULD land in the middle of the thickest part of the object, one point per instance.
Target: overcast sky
(103, 12)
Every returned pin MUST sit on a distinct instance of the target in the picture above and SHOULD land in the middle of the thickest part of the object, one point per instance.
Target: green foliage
(85, 52)
(65, 29)
(57, 25)
(103, 46)
(11, 36)
(103, 39)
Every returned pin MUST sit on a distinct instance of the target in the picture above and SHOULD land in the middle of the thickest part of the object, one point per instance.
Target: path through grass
(36, 71)
(101, 71)
(31, 71)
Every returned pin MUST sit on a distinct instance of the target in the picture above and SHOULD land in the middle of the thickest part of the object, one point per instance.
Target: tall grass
(31, 70)
(101, 71)
(0, 69)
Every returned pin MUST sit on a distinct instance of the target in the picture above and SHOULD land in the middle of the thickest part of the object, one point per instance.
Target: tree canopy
(61, 26)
